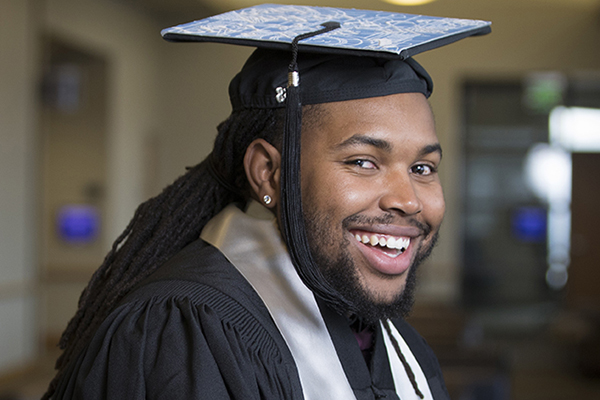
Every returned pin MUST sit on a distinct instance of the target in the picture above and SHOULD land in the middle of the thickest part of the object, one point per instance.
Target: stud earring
(267, 199)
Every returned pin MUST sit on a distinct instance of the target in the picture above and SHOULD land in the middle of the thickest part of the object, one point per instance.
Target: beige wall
(18, 300)
(193, 84)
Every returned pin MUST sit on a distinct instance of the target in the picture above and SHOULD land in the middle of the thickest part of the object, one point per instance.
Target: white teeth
(402, 244)
(391, 242)
(374, 240)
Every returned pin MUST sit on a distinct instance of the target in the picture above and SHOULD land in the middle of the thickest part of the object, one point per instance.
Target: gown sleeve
(181, 347)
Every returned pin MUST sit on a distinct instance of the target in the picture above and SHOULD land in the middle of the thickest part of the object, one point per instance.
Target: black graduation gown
(195, 329)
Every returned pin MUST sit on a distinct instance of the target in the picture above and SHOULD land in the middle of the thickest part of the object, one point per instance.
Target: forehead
(404, 118)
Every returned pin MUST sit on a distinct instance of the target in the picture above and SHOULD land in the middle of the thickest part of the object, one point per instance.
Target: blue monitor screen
(529, 224)
(78, 223)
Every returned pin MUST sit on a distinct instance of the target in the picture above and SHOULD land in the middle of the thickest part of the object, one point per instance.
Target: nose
(401, 196)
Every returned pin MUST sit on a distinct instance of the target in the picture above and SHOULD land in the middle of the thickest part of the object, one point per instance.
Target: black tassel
(292, 218)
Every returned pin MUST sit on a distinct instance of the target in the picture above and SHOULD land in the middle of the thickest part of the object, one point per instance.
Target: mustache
(386, 219)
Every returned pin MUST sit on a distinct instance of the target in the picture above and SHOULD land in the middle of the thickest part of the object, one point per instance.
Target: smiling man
(283, 265)
(372, 198)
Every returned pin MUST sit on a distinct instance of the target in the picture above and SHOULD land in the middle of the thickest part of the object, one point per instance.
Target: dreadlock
(165, 224)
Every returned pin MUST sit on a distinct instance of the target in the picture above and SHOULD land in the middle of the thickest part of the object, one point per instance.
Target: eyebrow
(432, 148)
(360, 139)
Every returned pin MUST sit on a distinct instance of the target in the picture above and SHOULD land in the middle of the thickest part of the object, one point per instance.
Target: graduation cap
(361, 32)
(331, 33)
(312, 55)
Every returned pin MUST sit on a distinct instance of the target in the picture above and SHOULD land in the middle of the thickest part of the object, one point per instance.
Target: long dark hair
(164, 224)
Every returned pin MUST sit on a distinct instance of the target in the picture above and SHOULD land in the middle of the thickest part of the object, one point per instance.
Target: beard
(339, 269)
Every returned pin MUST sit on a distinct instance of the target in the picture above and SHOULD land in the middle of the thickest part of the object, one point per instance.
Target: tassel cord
(407, 368)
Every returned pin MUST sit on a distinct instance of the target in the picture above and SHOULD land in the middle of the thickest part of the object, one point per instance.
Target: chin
(372, 306)
(384, 296)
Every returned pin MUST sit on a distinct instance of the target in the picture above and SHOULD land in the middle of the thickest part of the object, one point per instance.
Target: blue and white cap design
(378, 33)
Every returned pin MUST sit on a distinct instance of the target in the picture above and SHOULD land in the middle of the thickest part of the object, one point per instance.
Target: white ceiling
(225, 5)
(234, 4)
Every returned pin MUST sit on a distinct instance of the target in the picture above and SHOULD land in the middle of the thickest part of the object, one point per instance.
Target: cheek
(346, 193)
(333, 198)
(434, 205)
(342, 196)
(327, 187)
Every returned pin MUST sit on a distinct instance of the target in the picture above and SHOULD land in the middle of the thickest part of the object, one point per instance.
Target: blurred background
(97, 113)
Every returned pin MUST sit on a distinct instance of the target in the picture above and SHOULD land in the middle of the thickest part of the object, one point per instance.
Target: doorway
(73, 121)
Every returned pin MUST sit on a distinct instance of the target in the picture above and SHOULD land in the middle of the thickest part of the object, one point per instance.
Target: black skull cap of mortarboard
(325, 78)
(345, 54)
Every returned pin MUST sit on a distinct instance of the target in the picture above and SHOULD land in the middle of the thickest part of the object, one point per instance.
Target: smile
(385, 242)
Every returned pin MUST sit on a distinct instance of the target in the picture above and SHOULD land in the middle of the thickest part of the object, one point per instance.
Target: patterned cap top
(362, 32)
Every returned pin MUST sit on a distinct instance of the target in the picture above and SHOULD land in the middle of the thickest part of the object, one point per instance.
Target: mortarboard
(331, 33)
(344, 54)
(362, 32)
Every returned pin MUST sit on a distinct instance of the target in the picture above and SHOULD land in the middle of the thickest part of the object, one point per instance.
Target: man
(299, 282)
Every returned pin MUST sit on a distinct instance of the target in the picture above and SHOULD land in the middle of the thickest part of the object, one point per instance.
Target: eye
(362, 163)
(423, 169)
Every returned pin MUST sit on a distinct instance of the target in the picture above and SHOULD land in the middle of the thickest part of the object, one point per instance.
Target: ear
(262, 164)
